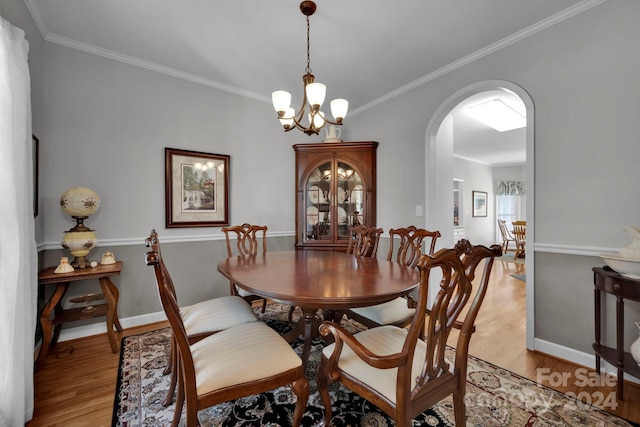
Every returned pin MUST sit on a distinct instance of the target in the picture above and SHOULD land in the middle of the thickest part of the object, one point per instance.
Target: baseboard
(587, 360)
(101, 328)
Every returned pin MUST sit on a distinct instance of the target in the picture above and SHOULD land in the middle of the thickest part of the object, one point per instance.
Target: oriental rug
(508, 257)
(495, 396)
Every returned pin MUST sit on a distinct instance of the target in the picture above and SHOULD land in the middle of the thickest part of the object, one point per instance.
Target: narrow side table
(51, 326)
(621, 287)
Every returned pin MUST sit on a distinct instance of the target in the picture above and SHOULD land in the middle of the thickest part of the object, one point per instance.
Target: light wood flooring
(76, 385)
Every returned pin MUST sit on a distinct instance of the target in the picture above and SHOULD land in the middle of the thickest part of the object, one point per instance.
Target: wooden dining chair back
(393, 367)
(506, 235)
(520, 236)
(249, 240)
(364, 240)
(200, 319)
(224, 366)
(406, 245)
(412, 242)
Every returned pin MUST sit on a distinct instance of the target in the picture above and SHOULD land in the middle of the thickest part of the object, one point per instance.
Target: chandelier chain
(308, 69)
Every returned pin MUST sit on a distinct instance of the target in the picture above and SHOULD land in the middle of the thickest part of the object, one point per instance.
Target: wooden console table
(607, 280)
(51, 326)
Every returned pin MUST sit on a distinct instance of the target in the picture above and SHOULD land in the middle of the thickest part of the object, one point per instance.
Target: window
(508, 208)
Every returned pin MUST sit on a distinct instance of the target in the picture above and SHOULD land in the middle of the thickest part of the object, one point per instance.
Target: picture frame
(194, 196)
(35, 156)
(479, 203)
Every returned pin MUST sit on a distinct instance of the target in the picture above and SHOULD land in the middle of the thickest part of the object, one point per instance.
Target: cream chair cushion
(383, 340)
(216, 314)
(386, 313)
(244, 353)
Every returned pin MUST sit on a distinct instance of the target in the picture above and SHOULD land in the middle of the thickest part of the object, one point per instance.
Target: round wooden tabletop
(320, 279)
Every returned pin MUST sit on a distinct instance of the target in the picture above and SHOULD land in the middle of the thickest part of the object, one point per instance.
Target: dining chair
(393, 367)
(201, 319)
(520, 236)
(240, 361)
(249, 240)
(506, 235)
(364, 240)
(406, 252)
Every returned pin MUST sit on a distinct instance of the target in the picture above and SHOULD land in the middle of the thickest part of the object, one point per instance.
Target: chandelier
(313, 95)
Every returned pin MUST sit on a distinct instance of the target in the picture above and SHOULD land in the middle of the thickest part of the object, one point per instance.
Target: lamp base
(81, 262)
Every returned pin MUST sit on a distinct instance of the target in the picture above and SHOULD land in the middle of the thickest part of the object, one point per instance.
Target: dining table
(317, 282)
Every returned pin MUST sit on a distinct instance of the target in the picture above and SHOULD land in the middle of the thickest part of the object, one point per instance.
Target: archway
(439, 178)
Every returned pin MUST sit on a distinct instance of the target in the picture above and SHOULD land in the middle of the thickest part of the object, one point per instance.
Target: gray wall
(106, 124)
(582, 77)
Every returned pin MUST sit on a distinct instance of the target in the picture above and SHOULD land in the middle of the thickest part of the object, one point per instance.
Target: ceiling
(366, 51)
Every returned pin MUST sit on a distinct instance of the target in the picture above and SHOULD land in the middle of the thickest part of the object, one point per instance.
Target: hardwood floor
(77, 388)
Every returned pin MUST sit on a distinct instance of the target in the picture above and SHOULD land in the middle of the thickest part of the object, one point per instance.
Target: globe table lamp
(80, 203)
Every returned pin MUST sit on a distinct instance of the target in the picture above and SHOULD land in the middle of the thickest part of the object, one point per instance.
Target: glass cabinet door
(334, 201)
(349, 199)
(318, 206)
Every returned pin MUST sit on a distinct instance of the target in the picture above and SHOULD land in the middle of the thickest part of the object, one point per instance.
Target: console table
(51, 326)
(607, 280)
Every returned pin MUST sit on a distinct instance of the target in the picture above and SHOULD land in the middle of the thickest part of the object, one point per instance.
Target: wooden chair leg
(459, 409)
(264, 305)
(171, 358)
(291, 310)
(322, 381)
(168, 400)
(301, 390)
(179, 401)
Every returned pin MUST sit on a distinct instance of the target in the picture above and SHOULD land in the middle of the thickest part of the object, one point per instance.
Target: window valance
(510, 188)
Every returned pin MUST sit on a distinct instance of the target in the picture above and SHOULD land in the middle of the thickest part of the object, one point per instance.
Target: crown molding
(516, 37)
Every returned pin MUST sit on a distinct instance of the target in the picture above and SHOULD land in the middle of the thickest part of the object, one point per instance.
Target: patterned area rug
(509, 258)
(495, 396)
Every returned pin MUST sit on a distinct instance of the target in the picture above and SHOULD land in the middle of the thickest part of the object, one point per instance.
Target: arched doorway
(439, 176)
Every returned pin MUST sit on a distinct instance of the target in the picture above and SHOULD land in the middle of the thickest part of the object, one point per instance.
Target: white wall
(477, 177)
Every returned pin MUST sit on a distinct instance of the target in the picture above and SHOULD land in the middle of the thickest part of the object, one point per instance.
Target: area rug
(519, 277)
(508, 257)
(495, 396)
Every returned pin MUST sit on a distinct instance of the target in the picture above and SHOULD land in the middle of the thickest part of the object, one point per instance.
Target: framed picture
(479, 203)
(196, 189)
(35, 155)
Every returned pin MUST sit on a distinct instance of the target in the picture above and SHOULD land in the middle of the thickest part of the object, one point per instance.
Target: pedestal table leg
(307, 326)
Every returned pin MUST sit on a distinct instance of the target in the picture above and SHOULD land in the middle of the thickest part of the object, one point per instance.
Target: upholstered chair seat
(383, 341)
(230, 358)
(216, 314)
(388, 313)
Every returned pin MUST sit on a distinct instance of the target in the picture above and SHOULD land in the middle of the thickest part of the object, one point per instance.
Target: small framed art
(479, 203)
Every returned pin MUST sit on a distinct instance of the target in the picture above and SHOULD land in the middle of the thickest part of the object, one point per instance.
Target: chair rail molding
(136, 241)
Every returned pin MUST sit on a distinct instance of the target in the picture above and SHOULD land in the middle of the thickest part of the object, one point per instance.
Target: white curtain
(510, 188)
(18, 254)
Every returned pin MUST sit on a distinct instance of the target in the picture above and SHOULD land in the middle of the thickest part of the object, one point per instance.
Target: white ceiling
(366, 51)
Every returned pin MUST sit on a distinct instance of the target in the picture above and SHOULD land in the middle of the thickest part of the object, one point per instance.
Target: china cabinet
(335, 188)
